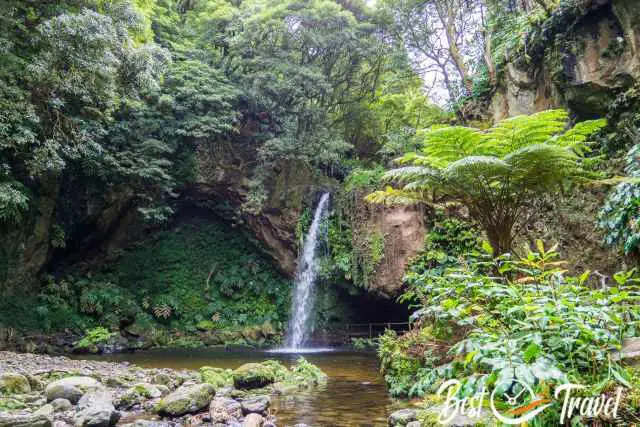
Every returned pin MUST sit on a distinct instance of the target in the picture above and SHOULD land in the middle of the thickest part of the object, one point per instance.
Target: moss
(13, 383)
(253, 375)
(9, 404)
(206, 325)
(217, 377)
(186, 400)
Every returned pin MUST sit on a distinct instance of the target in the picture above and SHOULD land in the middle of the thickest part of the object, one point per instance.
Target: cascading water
(304, 292)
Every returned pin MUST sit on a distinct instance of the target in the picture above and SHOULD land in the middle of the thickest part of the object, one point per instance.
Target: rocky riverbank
(43, 391)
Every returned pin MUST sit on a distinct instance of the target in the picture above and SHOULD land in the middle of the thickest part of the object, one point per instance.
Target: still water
(354, 395)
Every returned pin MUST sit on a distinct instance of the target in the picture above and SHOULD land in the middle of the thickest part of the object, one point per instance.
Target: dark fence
(366, 330)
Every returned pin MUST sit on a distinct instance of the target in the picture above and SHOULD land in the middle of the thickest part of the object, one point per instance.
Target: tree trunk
(500, 236)
(447, 15)
(488, 59)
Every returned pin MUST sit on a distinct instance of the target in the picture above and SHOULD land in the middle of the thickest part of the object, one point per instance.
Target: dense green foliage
(495, 174)
(522, 318)
(177, 281)
(620, 214)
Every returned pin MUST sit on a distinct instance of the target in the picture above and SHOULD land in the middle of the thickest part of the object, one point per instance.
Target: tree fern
(494, 173)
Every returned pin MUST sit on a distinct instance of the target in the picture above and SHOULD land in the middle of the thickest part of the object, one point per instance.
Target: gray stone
(61, 405)
(186, 400)
(47, 410)
(257, 404)
(141, 392)
(149, 423)
(71, 388)
(224, 409)
(30, 420)
(402, 417)
(253, 420)
(96, 410)
(414, 424)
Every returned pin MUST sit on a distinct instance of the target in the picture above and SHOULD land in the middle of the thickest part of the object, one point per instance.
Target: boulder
(403, 417)
(224, 410)
(217, 377)
(141, 392)
(253, 420)
(186, 400)
(71, 388)
(150, 423)
(257, 404)
(61, 405)
(13, 383)
(253, 375)
(30, 420)
(96, 410)
(46, 410)
(163, 379)
(414, 424)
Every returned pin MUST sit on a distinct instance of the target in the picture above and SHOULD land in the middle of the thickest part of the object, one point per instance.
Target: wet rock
(163, 379)
(141, 392)
(186, 400)
(96, 410)
(71, 388)
(30, 420)
(217, 377)
(47, 410)
(253, 375)
(224, 410)
(257, 404)
(60, 405)
(402, 417)
(35, 383)
(12, 383)
(150, 423)
(253, 420)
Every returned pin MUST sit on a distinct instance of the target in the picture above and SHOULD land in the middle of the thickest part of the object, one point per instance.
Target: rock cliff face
(585, 55)
(226, 185)
(404, 230)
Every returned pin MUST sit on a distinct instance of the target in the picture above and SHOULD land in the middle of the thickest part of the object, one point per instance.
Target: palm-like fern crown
(515, 158)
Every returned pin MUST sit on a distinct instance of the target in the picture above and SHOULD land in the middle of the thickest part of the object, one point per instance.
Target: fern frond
(445, 145)
(474, 167)
(392, 196)
(516, 132)
(410, 173)
(543, 166)
(577, 136)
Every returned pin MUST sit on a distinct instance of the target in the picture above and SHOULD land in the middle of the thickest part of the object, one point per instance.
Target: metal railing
(353, 330)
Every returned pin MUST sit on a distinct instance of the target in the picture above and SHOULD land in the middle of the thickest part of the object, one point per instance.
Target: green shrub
(523, 319)
(94, 337)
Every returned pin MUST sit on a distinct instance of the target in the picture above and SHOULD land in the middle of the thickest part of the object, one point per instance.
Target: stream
(354, 396)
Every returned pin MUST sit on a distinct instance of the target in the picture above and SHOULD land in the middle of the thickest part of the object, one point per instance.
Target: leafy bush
(95, 336)
(620, 215)
(180, 280)
(523, 319)
(364, 343)
(308, 371)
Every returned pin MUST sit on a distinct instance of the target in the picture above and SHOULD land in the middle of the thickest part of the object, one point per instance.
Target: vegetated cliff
(583, 57)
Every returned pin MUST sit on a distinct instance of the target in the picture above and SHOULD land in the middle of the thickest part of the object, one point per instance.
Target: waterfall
(304, 292)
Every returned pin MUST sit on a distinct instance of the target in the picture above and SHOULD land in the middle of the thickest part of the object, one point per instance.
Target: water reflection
(354, 395)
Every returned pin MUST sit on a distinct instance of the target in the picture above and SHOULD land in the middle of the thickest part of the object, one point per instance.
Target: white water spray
(304, 292)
